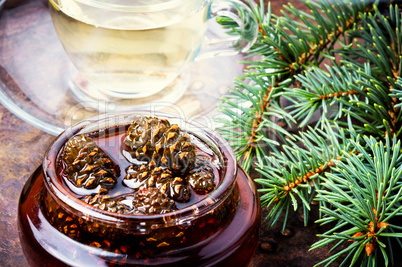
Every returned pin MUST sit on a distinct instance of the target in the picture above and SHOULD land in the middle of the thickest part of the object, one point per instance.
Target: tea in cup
(134, 49)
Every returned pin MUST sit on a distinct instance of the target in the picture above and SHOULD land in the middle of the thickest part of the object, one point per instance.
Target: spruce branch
(244, 125)
(320, 90)
(364, 191)
(295, 173)
(342, 60)
(362, 88)
(382, 44)
(284, 46)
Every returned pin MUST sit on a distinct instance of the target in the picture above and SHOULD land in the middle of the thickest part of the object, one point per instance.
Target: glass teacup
(134, 49)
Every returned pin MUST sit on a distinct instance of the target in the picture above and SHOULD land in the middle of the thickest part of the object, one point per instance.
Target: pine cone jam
(129, 190)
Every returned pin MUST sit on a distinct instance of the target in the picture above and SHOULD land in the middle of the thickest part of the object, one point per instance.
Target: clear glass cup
(135, 49)
(58, 229)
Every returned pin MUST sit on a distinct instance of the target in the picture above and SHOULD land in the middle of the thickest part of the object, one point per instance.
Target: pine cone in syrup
(149, 176)
(146, 175)
(157, 142)
(105, 202)
(152, 201)
(87, 165)
(177, 189)
(142, 136)
(201, 178)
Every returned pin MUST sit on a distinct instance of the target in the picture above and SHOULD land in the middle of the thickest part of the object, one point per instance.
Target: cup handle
(227, 45)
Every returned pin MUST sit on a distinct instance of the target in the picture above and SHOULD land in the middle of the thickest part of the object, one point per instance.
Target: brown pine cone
(201, 178)
(105, 202)
(148, 176)
(143, 135)
(87, 165)
(152, 201)
(157, 142)
(177, 189)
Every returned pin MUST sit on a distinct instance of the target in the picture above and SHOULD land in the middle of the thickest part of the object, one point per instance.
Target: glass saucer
(35, 75)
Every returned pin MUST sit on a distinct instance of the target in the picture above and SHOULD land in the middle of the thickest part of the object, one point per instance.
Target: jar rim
(64, 195)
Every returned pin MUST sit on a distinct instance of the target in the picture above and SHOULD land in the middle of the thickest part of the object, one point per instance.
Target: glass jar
(58, 229)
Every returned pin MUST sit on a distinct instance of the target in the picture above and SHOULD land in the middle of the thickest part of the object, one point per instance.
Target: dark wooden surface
(21, 150)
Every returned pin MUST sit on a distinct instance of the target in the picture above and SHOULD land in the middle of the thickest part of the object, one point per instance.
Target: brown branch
(305, 178)
(392, 113)
(395, 70)
(258, 119)
(394, 127)
(339, 94)
(321, 45)
(261, 30)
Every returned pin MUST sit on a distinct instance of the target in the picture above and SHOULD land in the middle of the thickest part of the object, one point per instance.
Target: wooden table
(22, 147)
